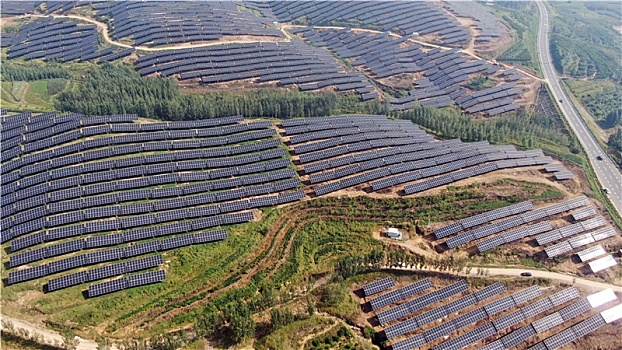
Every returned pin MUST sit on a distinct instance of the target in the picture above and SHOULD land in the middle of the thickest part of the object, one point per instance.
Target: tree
(280, 317)
(615, 141)
(241, 324)
(614, 118)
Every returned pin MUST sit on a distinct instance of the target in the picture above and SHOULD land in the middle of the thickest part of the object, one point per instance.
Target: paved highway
(607, 172)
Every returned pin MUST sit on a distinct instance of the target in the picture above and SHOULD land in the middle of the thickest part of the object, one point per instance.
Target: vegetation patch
(583, 41)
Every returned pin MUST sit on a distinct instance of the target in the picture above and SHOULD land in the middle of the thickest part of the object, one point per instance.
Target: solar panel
(518, 336)
(612, 314)
(499, 305)
(589, 325)
(508, 320)
(560, 339)
(547, 322)
(410, 343)
(537, 307)
(564, 296)
(526, 294)
(146, 278)
(574, 310)
(470, 317)
(489, 291)
(378, 286)
(591, 253)
(66, 281)
(107, 287)
(601, 298)
(399, 294)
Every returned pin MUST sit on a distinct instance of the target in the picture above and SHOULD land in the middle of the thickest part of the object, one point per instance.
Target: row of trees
(519, 128)
(12, 72)
(116, 89)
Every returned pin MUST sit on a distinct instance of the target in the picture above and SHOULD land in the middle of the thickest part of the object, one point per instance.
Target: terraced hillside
(404, 54)
(118, 206)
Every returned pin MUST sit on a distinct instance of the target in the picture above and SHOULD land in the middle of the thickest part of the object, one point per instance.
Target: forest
(118, 89)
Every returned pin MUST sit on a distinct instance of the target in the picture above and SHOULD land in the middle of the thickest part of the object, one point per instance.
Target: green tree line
(517, 128)
(11, 72)
(117, 89)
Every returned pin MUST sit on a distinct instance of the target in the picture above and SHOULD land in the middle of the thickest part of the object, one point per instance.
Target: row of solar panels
(514, 235)
(70, 165)
(157, 215)
(417, 174)
(53, 191)
(482, 218)
(64, 200)
(407, 161)
(201, 138)
(115, 151)
(469, 158)
(126, 282)
(375, 152)
(23, 131)
(414, 323)
(476, 315)
(579, 241)
(570, 230)
(516, 221)
(107, 271)
(150, 219)
(118, 253)
(565, 314)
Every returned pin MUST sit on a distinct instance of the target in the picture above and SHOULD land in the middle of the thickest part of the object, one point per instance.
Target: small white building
(394, 233)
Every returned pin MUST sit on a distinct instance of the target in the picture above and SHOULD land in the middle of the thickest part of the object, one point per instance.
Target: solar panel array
(104, 272)
(447, 327)
(414, 323)
(114, 254)
(183, 22)
(126, 282)
(134, 182)
(583, 213)
(603, 263)
(570, 230)
(581, 240)
(422, 18)
(572, 333)
(514, 235)
(443, 71)
(285, 63)
(487, 230)
(591, 253)
(563, 175)
(483, 218)
(414, 305)
(59, 39)
(19, 7)
(388, 152)
(378, 286)
(399, 294)
(489, 27)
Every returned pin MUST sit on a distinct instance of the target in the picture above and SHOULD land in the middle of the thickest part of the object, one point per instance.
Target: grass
(288, 337)
(480, 83)
(599, 97)
(522, 18)
(583, 41)
(18, 90)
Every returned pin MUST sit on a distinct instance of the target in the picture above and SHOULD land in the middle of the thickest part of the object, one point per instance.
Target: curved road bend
(606, 171)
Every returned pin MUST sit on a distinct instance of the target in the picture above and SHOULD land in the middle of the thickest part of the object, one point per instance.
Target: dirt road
(49, 336)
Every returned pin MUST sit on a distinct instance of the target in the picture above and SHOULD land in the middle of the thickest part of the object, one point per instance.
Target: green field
(599, 97)
(522, 19)
(584, 42)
